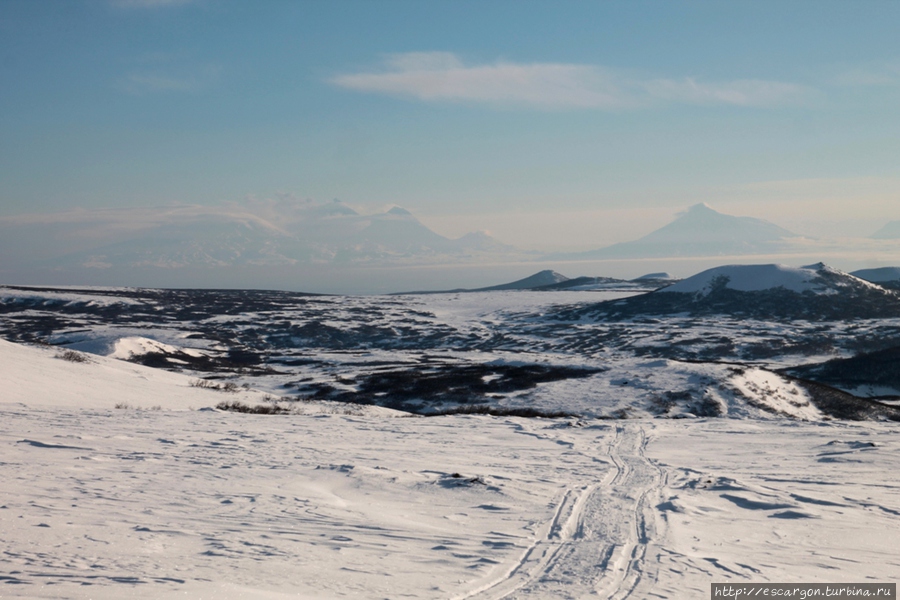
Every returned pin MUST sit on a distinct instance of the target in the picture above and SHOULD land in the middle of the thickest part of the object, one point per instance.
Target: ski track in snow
(163, 504)
(598, 540)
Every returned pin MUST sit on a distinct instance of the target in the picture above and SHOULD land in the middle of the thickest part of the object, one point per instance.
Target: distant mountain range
(204, 237)
(219, 246)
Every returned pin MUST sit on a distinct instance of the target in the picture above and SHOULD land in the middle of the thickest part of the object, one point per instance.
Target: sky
(554, 125)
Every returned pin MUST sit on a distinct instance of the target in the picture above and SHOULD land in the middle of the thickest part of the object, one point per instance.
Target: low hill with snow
(540, 279)
(51, 376)
(762, 292)
(816, 279)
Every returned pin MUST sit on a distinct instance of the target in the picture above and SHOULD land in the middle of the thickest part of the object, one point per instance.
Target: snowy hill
(762, 291)
(540, 279)
(817, 279)
(53, 377)
(397, 230)
(543, 279)
(700, 231)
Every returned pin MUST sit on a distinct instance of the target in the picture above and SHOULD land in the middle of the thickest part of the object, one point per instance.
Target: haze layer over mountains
(289, 244)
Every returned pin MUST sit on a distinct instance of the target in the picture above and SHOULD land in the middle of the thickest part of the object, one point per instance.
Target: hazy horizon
(553, 127)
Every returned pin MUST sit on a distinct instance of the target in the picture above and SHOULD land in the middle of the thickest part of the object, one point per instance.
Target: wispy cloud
(434, 76)
(442, 76)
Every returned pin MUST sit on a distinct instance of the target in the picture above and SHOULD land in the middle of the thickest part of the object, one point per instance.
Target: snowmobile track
(599, 541)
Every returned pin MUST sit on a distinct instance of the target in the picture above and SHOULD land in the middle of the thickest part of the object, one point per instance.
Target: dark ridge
(880, 368)
(775, 303)
(259, 409)
(496, 411)
(847, 407)
(425, 389)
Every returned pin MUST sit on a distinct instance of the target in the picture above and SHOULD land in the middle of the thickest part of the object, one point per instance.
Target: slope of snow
(35, 376)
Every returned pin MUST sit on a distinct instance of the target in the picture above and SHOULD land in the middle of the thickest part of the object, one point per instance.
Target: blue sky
(554, 124)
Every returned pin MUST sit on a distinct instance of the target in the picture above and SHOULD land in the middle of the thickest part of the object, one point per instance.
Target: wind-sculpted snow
(104, 503)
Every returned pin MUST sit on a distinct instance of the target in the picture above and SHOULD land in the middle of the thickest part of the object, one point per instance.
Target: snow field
(165, 504)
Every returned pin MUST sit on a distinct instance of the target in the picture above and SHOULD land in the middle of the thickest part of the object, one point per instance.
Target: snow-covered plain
(101, 502)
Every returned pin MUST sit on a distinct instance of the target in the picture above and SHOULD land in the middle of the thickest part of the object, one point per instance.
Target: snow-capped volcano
(891, 231)
(701, 231)
(703, 225)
